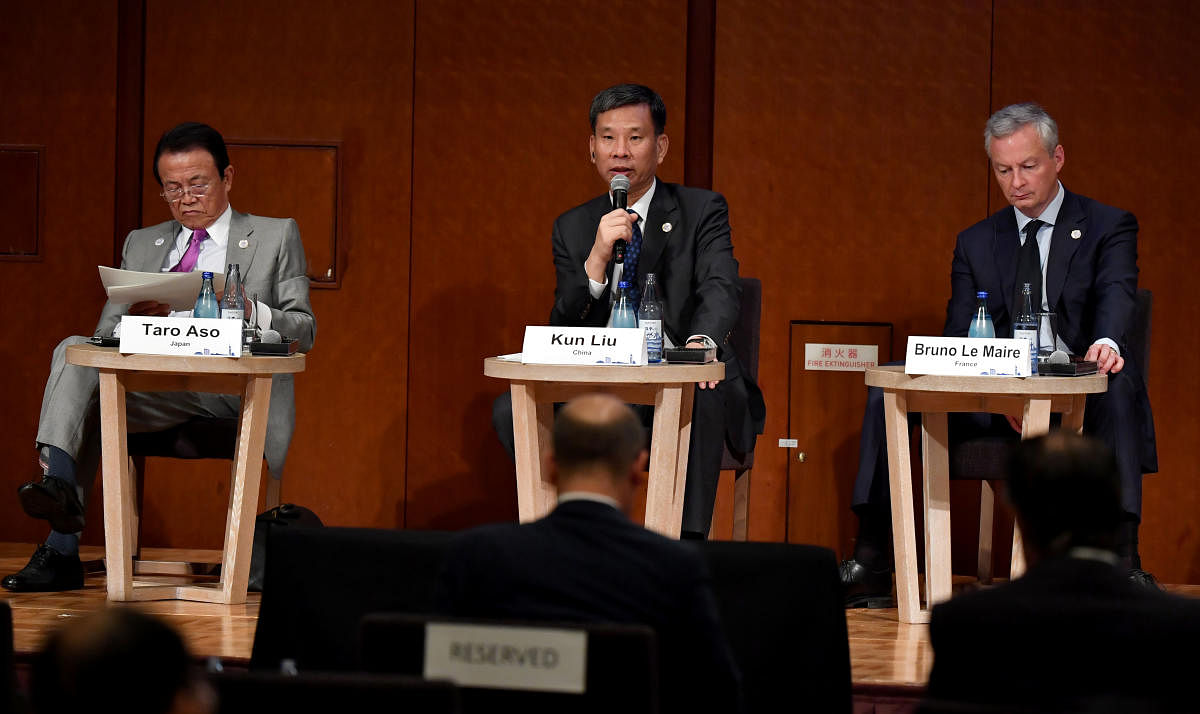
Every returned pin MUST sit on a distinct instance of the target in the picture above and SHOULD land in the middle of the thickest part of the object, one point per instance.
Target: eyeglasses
(171, 195)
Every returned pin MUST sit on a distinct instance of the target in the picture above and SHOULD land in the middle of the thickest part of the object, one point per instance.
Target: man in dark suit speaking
(191, 165)
(588, 562)
(682, 235)
(1080, 257)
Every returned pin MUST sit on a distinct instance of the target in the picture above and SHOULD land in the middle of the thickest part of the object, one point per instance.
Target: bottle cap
(1028, 286)
(981, 294)
(623, 284)
(207, 275)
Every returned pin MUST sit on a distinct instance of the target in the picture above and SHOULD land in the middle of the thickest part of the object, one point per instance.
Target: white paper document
(179, 290)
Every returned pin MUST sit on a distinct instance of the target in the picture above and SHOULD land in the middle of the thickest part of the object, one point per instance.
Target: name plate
(967, 357)
(583, 345)
(181, 336)
(540, 659)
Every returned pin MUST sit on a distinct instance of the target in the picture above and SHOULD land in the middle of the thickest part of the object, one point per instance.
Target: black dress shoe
(1137, 576)
(48, 571)
(864, 587)
(54, 500)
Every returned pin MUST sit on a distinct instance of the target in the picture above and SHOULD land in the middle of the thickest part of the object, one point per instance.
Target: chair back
(744, 341)
(323, 692)
(744, 338)
(782, 611)
(319, 582)
(621, 671)
(1138, 339)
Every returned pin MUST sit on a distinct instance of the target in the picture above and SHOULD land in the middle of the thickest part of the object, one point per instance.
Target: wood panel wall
(57, 81)
(846, 137)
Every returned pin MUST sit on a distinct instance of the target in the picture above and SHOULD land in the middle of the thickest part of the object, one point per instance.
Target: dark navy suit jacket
(588, 562)
(1091, 283)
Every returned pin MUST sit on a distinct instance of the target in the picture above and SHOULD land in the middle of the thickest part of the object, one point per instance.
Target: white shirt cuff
(596, 289)
(1110, 343)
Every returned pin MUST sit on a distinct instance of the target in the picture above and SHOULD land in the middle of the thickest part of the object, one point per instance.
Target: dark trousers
(1113, 417)
(709, 411)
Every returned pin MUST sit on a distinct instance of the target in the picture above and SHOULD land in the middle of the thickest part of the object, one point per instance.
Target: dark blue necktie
(629, 273)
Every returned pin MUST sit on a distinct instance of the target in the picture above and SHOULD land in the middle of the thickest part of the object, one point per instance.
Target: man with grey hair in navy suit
(1080, 258)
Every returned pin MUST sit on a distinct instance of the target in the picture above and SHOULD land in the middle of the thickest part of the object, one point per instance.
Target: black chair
(323, 692)
(620, 673)
(320, 582)
(8, 674)
(744, 340)
(983, 458)
(783, 614)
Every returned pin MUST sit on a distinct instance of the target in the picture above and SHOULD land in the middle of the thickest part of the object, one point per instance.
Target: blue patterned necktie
(629, 272)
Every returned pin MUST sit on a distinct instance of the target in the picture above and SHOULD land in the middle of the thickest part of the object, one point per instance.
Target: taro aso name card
(533, 658)
(967, 357)
(181, 336)
(584, 345)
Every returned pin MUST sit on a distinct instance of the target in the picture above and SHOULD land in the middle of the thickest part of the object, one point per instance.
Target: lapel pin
(667, 227)
(243, 243)
(160, 241)
(1076, 234)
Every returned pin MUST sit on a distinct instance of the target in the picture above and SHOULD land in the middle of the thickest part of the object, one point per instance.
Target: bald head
(597, 432)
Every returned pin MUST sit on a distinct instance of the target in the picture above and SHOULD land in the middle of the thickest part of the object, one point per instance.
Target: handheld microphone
(271, 337)
(619, 185)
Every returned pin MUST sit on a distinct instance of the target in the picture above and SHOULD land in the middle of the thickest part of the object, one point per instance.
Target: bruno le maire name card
(967, 357)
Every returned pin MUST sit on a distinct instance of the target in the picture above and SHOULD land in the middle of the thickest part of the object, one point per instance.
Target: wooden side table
(669, 387)
(1031, 398)
(249, 377)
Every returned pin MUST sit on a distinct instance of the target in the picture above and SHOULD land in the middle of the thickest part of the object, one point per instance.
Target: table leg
(1035, 421)
(671, 436)
(531, 436)
(987, 509)
(936, 492)
(239, 523)
(118, 487)
(908, 596)
(1073, 420)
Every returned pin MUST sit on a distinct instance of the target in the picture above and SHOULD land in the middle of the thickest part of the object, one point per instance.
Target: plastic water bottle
(650, 315)
(622, 312)
(233, 304)
(981, 325)
(1025, 327)
(206, 301)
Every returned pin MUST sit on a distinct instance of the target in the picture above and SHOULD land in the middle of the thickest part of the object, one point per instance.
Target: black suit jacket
(587, 562)
(686, 243)
(1068, 634)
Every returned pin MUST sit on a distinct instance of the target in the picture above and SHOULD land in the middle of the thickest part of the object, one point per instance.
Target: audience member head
(599, 445)
(1064, 490)
(120, 660)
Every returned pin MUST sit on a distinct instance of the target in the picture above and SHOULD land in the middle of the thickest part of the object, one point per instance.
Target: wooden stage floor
(883, 652)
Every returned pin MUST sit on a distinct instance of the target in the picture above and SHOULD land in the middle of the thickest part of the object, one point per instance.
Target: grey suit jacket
(273, 267)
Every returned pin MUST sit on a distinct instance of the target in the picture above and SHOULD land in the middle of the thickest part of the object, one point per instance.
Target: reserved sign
(181, 336)
(583, 345)
(967, 357)
(540, 659)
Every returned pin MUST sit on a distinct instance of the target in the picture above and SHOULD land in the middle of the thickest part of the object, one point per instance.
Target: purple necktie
(188, 262)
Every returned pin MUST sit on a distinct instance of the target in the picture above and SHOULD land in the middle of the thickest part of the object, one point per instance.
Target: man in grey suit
(191, 165)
